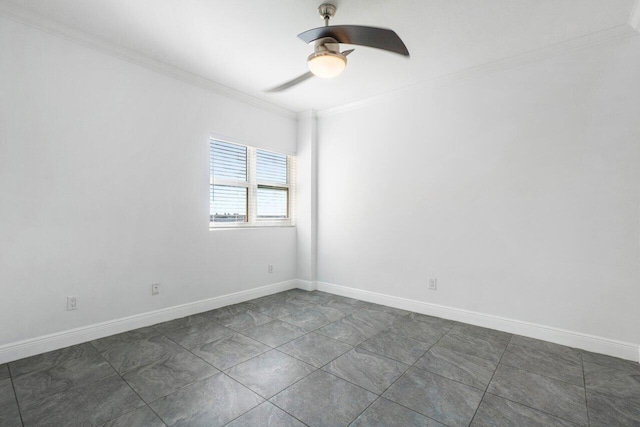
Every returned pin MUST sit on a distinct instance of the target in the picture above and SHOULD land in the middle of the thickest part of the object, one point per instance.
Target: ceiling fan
(327, 61)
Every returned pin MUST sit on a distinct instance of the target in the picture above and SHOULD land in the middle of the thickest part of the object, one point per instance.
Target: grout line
(584, 382)
(492, 375)
(400, 376)
(532, 408)
(267, 402)
(15, 395)
(311, 304)
(237, 381)
(136, 393)
(41, 399)
(510, 400)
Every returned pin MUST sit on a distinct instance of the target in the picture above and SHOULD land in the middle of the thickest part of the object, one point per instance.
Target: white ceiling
(251, 45)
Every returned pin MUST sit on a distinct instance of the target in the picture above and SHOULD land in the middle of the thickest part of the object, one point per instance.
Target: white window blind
(250, 186)
(228, 183)
(271, 177)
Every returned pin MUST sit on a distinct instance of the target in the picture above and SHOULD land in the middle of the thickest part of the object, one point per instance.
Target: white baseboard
(307, 285)
(30, 347)
(579, 340)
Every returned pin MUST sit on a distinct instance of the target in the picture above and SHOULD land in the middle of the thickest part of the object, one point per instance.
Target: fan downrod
(327, 11)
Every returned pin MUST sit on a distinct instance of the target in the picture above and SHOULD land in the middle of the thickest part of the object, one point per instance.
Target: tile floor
(309, 358)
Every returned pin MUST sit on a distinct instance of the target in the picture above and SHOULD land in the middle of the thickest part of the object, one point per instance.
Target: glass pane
(272, 202)
(228, 204)
(228, 161)
(271, 167)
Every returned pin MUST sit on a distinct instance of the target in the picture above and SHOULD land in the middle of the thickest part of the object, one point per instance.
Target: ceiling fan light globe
(326, 65)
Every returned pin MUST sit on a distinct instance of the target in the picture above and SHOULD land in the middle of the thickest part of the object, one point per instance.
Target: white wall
(518, 190)
(306, 198)
(104, 189)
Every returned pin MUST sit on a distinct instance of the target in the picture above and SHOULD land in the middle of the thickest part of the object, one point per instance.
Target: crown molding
(619, 32)
(634, 18)
(54, 27)
(59, 29)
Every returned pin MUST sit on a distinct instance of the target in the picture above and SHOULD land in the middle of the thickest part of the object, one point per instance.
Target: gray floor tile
(93, 404)
(609, 375)
(432, 319)
(269, 299)
(228, 351)
(463, 367)
(31, 388)
(10, 418)
(397, 347)
(274, 333)
(270, 373)
(75, 386)
(313, 297)
(344, 300)
(312, 318)
(245, 320)
(384, 308)
(613, 382)
(4, 371)
(349, 329)
(7, 397)
(295, 292)
(344, 307)
(330, 313)
(385, 413)
(495, 411)
(481, 342)
(302, 300)
(168, 374)
(214, 401)
(49, 359)
(335, 401)
(549, 395)
(429, 333)
(180, 323)
(558, 365)
(277, 309)
(444, 400)
(134, 355)
(224, 313)
(112, 341)
(597, 361)
(197, 335)
(606, 410)
(265, 415)
(571, 355)
(142, 417)
(366, 369)
(379, 320)
(315, 349)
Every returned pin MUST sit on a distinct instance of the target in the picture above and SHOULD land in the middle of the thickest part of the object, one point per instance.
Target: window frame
(252, 185)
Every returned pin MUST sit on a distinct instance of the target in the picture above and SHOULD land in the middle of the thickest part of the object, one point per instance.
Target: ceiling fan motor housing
(327, 11)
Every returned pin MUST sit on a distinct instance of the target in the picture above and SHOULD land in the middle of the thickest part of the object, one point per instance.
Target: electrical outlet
(433, 284)
(270, 269)
(72, 303)
(155, 289)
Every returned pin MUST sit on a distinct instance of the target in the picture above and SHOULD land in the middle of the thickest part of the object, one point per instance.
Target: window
(249, 186)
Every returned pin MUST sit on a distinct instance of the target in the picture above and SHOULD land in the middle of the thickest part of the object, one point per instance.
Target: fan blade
(290, 83)
(347, 52)
(379, 38)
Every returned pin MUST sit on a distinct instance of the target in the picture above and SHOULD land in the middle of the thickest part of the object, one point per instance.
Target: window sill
(247, 227)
